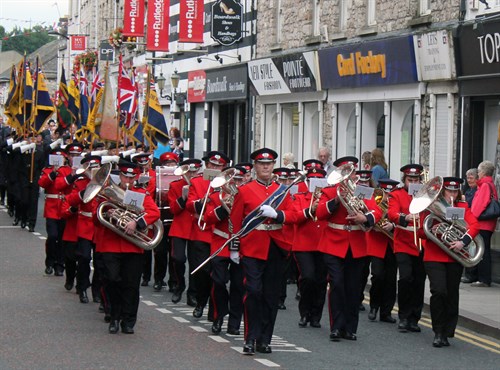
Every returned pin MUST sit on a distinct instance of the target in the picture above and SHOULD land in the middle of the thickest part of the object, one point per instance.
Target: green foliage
(25, 40)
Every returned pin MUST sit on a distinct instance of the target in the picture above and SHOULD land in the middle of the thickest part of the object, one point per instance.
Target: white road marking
(149, 303)
(199, 329)
(218, 339)
(42, 237)
(267, 362)
(37, 234)
(9, 227)
(180, 319)
(163, 310)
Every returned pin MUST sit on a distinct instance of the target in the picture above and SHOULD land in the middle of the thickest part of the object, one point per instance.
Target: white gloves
(268, 211)
(235, 256)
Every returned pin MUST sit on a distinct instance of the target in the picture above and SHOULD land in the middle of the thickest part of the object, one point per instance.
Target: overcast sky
(22, 13)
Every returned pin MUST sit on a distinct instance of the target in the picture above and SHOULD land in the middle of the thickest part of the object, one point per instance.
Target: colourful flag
(103, 118)
(43, 105)
(127, 97)
(26, 96)
(84, 99)
(74, 99)
(64, 115)
(96, 86)
(12, 102)
(153, 119)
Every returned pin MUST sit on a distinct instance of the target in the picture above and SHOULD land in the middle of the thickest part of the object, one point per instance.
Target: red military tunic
(337, 240)
(107, 241)
(250, 196)
(151, 188)
(307, 231)
(53, 196)
(376, 241)
(399, 204)
(85, 210)
(183, 222)
(434, 253)
(70, 214)
(197, 192)
(219, 221)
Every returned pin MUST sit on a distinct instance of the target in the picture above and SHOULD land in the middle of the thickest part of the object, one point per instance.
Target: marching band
(238, 227)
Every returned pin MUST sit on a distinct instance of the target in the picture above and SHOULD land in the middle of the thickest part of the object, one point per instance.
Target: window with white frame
(343, 15)
(408, 137)
(310, 142)
(290, 128)
(279, 20)
(370, 12)
(270, 126)
(425, 7)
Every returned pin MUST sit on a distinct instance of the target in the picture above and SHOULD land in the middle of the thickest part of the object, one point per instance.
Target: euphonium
(227, 187)
(345, 190)
(429, 197)
(123, 213)
(181, 171)
(381, 199)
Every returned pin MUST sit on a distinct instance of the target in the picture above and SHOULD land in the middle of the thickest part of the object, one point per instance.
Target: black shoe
(176, 297)
(49, 270)
(263, 348)
(113, 327)
(315, 324)
(191, 301)
(145, 283)
(31, 229)
(198, 312)
(362, 307)
(16, 222)
(232, 331)
(101, 308)
(403, 325)
(58, 272)
(437, 342)
(388, 319)
(297, 296)
(23, 224)
(414, 328)
(281, 306)
(249, 347)
(107, 318)
(157, 286)
(127, 329)
(444, 341)
(83, 296)
(217, 326)
(335, 335)
(68, 285)
(303, 322)
(372, 315)
(466, 280)
(10, 213)
(349, 336)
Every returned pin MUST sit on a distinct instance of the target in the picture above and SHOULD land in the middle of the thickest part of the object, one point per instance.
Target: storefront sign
(227, 21)
(433, 52)
(479, 50)
(158, 25)
(196, 86)
(386, 62)
(224, 84)
(133, 18)
(106, 52)
(191, 21)
(287, 74)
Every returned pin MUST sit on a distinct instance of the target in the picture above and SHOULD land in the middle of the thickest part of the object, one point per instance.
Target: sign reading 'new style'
(227, 22)
(158, 25)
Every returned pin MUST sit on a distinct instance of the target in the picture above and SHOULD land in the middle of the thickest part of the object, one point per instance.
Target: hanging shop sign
(133, 18)
(227, 22)
(434, 56)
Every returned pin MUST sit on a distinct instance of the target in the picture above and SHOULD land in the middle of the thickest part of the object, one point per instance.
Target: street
(43, 326)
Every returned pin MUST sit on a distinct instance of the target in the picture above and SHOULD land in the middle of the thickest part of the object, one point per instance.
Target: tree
(25, 40)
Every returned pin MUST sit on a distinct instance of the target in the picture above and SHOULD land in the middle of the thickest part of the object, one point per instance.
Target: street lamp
(160, 80)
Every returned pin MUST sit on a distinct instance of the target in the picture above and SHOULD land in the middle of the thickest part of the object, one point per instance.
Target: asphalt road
(45, 327)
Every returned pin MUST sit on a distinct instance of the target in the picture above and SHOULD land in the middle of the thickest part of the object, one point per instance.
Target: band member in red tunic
(262, 252)
(445, 272)
(311, 266)
(379, 246)
(411, 282)
(344, 248)
(123, 260)
(180, 231)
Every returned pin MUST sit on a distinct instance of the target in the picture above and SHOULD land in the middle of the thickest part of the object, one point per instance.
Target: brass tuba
(429, 197)
(123, 213)
(381, 198)
(228, 188)
(345, 190)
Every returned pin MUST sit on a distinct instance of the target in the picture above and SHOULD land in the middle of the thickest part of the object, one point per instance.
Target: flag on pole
(12, 102)
(43, 105)
(84, 99)
(104, 120)
(64, 115)
(74, 99)
(96, 86)
(25, 96)
(127, 97)
(153, 120)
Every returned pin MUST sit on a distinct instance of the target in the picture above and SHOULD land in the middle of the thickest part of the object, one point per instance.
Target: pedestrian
(288, 160)
(176, 142)
(378, 166)
(324, 156)
(486, 192)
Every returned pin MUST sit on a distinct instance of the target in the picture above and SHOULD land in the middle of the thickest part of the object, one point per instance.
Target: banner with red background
(197, 81)
(133, 18)
(191, 21)
(158, 25)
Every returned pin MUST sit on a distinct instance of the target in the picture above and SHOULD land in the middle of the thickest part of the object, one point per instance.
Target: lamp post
(160, 80)
(174, 80)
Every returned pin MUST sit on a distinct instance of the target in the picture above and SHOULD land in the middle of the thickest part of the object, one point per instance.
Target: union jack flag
(127, 98)
(97, 84)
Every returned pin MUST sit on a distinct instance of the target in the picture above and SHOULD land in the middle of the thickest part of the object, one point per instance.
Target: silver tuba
(123, 213)
(429, 197)
(345, 191)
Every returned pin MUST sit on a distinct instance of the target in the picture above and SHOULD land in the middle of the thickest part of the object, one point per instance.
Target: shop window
(425, 7)
(290, 128)
(381, 132)
(310, 142)
(407, 138)
(270, 126)
(351, 135)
